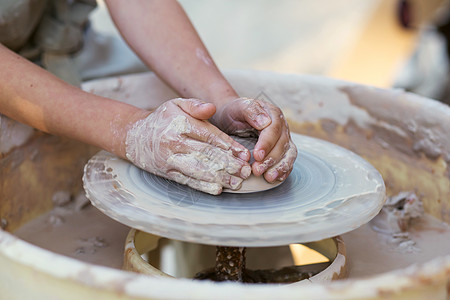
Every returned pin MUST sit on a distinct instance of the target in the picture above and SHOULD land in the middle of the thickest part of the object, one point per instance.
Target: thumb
(196, 108)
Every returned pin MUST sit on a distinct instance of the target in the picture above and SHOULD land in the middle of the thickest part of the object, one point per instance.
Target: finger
(194, 165)
(206, 132)
(196, 108)
(273, 157)
(255, 113)
(207, 187)
(281, 170)
(258, 168)
(213, 159)
(269, 137)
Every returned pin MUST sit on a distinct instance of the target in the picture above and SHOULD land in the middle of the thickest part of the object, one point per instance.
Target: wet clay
(254, 184)
(170, 144)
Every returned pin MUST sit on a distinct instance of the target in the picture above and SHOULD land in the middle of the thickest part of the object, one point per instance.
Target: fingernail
(197, 102)
(261, 168)
(273, 174)
(262, 120)
(261, 154)
(243, 155)
(246, 171)
(235, 182)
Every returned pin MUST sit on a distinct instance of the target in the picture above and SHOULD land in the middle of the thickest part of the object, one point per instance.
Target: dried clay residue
(396, 217)
(76, 229)
(406, 117)
(400, 236)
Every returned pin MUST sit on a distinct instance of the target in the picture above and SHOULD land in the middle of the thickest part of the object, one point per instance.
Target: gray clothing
(47, 32)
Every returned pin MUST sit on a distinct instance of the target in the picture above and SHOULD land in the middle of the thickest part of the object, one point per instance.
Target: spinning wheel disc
(329, 192)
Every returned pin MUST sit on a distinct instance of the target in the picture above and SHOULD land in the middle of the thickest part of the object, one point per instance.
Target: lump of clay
(253, 183)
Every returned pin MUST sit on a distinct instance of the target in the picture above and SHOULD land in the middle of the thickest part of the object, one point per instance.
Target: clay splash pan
(330, 191)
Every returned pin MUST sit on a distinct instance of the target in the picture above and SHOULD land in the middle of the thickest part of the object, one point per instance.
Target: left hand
(176, 142)
(274, 153)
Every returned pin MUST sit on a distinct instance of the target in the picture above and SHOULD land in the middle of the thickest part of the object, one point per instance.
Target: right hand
(177, 142)
(274, 153)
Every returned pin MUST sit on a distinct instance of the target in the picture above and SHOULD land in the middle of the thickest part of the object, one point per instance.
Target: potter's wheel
(329, 192)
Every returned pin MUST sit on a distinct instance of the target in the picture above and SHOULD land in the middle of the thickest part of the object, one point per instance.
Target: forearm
(162, 35)
(164, 38)
(35, 97)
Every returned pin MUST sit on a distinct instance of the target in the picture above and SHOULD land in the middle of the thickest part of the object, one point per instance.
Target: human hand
(274, 153)
(176, 142)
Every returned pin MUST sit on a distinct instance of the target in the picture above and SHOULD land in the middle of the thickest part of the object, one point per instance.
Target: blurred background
(385, 43)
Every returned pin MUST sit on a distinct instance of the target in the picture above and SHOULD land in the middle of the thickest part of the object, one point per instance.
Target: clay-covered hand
(274, 153)
(177, 142)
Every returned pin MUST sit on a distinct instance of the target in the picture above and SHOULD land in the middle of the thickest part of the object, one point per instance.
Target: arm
(168, 142)
(33, 96)
(164, 38)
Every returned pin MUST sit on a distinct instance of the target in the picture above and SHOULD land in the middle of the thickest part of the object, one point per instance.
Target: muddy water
(370, 252)
(87, 235)
(90, 236)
